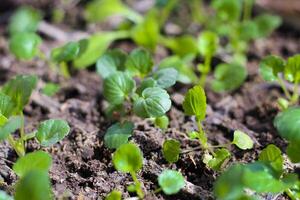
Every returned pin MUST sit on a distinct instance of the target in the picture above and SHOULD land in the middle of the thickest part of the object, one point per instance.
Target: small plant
(170, 182)
(275, 69)
(194, 104)
(14, 96)
(149, 99)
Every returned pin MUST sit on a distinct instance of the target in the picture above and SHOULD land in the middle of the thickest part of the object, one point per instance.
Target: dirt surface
(82, 167)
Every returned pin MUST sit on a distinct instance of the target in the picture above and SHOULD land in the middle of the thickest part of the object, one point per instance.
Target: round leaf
(154, 102)
(139, 62)
(171, 150)
(11, 125)
(118, 134)
(162, 122)
(171, 181)
(266, 24)
(6, 105)
(38, 160)
(216, 162)
(242, 140)
(128, 158)
(165, 78)
(114, 195)
(117, 87)
(195, 102)
(51, 131)
(227, 10)
(208, 43)
(65, 53)
(271, 155)
(24, 45)
(270, 66)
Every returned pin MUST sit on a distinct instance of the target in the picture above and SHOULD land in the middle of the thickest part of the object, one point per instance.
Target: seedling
(275, 69)
(147, 98)
(263, 176)
(170, 182)
(14, 96)
(194, 104)
(171, 150)
(50, 89)
(114, 195)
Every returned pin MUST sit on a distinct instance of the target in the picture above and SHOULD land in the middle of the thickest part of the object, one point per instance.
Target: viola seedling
(131, 87)
(276, 69)
(194, 104)
(14, 96)
(170, 182)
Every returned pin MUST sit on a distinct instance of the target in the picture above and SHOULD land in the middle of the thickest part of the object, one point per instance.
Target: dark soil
(82, 167)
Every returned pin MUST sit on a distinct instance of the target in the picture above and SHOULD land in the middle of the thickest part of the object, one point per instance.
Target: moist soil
(82, 167)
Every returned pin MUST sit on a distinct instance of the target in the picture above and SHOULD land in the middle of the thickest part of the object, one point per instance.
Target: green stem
(120, 35)
(64, 70)
(22, 129)
(295, 96)
(205, 71)
(290, 194)
(167, 10)
(248, 4)
(157, 190)
(197, 10)
(139, 190)
(18, 149)
(133, 16)
(285, 91)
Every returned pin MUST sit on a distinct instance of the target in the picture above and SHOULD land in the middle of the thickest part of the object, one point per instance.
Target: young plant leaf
(117, 87)
(38, 160)
(221, 155)
(24, 45)
(66, 53)
(195, 103)
(111, 62)
(154, 102)
(146, 83)
(228, 77)
(165, 78)
(182, 45)
(35, 185)
(162, 122)
(139, 62)
(271, 155)
(114, 195)
(208, 43)
(242, 140)
(266, 24)
(4, 196)
(25, 19)
(51, 131)
(118, 134)
(19, 89)
(171, 181)
(6, 105)
(292, 69)
(227, 10)
(11, 125)
(270, 66)
(50, 89)
(293, 151)
(128, 158)
(287, 124)
(171, 150)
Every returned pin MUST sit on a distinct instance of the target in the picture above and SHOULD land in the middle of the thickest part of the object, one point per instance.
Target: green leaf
(100, 10)
(165, 78)
(13, 124)
(66, 53)
(271, 155)
(287, 124)
(154, 102)
(208, 43)
(195, 103)
(248, 30)
(162, 122)
(266, 24)
(139, 62)
(35, 185)
(38, 160)
(221, 155)
(182, 45)
(184, 68)
(24, 45)
(6, 105)
(270, 66)
(171, 181)
(228, 77)
(227, 10)
(118, 134)
(146, 33)
(19, 89)
(128, 158)
(3, 120)
(117, 87)
(292, 69)
(51, 131)
(111, 62)
(171, 150)
(4, 196)
(114, 195)
(50, 89)
(242, 140)
(94, 46)
(146, 83)
(25, 19)
(293, 151)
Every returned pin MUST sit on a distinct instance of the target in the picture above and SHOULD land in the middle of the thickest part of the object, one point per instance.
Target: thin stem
(139, 190)
(157, 190)
(290, 194)
(167, 10)
(295, 97)
(248, 4)
(206, 70)
(22, 129)
(14, 145)
(285, 90)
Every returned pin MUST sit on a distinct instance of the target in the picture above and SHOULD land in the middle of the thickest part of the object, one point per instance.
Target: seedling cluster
(134, 84)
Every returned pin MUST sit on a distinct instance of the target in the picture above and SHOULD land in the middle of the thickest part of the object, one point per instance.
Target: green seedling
(114, 195)
(194, 104)
(50, 89)
(263, 176)
(14, 96)
(128, 158)
(171, 150)
(131, 87)
(275, 69)
(170, 182)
